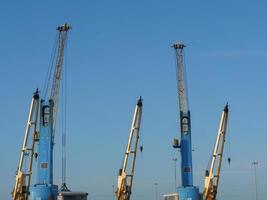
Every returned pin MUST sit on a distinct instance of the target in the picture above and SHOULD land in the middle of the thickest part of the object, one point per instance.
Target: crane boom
(187, 190)
(23, 177)
(212, 175)
(125, 178)
(63, 31)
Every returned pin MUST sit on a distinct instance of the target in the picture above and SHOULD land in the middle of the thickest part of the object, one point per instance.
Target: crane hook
(229, 160)
(141, 148)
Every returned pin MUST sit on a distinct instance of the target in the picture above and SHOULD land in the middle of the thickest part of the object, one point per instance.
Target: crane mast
(23, 176)
(212, 175)
(186, 190)
(126, 173)
(44, 187)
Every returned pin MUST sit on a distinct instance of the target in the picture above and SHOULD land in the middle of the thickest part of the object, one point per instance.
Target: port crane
(23, 176)
(187, 190)
(212, 176)
(126, 173)
(44, 187)
(42, 138)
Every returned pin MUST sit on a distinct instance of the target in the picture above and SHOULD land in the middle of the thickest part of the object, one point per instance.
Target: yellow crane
(23, 175)
(126, 173)
(212, 175)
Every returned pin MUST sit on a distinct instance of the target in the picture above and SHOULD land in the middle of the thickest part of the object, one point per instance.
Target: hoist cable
(64, 121)
(229, 145)
(142, 133)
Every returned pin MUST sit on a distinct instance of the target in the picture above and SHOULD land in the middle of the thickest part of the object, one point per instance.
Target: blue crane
(44, 187)
(187, 191)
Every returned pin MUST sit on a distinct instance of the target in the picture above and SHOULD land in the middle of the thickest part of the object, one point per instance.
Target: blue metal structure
(187, 191)
(44, 189)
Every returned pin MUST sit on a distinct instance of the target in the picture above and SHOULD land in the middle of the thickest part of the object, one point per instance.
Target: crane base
(188, 193)
(43, 192)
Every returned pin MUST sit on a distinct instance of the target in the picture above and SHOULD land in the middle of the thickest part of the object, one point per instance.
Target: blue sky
(119, 50)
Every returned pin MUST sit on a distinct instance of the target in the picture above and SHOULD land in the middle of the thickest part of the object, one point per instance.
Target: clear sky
(119, 50)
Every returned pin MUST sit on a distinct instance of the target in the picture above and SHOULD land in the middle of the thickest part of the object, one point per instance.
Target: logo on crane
(185, 125)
